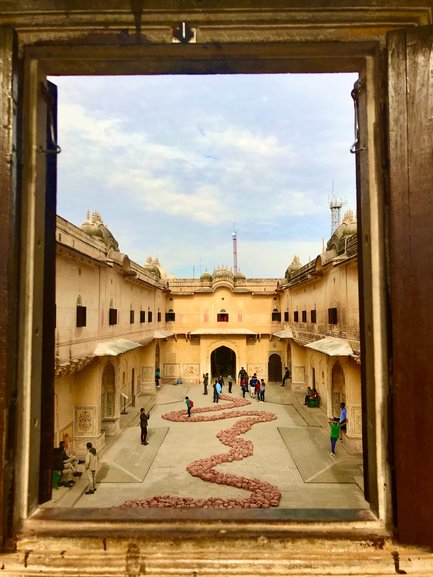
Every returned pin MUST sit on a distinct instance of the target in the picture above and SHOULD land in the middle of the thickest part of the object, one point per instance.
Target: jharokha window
(276, 315)
(223, 317)
(170, 315)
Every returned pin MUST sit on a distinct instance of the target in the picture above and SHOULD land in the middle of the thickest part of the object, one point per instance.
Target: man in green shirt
(335, 433)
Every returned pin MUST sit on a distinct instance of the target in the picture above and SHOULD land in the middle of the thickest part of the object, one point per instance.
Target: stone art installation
(262, 493)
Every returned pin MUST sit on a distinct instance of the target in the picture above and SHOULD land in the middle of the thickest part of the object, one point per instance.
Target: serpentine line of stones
(263, 494)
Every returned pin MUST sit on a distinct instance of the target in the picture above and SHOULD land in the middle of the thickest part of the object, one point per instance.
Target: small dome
(206, 276)
(296, 265)
(222, 273)
(152, 265)
(94, 226)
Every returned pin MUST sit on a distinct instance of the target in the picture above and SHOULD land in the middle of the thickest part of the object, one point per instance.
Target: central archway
(275, 368)
(223, 362)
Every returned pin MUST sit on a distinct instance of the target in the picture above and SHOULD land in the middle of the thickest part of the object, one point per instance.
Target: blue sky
(173, 163)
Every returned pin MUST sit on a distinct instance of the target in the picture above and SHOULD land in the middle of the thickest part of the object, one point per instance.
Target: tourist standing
(258, 390)
(217, 389)
(262, 390)
(335, 433)
(343, 419)
(189, 404)
(143, 426)
(205, 383)
(230, 382)
(253, 386)
(243, 376)
(91, 466)
(157, 378)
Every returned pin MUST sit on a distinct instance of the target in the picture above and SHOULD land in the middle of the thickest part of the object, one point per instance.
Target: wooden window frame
(170, 316)
(287, 57)
(81, 316)
(333, 316)
(222, 317)
(113, 317)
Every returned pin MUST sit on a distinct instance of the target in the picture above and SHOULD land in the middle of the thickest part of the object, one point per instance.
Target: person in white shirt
(91, 465)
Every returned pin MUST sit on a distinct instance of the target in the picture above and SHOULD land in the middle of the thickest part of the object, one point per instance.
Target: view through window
(207, 273)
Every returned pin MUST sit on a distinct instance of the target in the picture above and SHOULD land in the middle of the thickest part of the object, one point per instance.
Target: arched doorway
(108, 397)
(338, 388)
(223, 362)
(275, 369)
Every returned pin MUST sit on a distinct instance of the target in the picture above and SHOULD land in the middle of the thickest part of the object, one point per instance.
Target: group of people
(255, 386)
(65, 467)
(311, 394)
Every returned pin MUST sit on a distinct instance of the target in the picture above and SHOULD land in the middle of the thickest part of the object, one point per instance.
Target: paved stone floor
(291, 452)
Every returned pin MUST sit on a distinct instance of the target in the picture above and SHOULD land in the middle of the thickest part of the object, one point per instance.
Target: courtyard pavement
(291, 452)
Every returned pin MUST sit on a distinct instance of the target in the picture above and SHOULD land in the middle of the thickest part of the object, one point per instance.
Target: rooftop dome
(94, 226)
(206, 277)
(153, 267)
(348, 227)
(296, 265)
(222, 273)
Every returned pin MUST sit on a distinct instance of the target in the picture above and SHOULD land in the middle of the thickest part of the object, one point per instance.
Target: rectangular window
(286, 316)
(81, 316)
(112, 316)
(131, 317)
(159, 316)
(149, 316)
(304, 316)
(295, 316)
(222, 318)
(332, 316)
(313, 316)
(276, 316)
(142, 316)
(170, 316)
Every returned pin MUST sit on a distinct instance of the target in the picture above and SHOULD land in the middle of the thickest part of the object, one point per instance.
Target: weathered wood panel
(411, 277)
(217, 555)
(8, 273)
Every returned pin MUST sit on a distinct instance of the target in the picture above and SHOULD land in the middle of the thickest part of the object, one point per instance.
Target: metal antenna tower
(235, 250)
(335, 205)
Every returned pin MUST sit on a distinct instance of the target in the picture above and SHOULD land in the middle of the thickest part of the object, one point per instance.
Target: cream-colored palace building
(118, 321)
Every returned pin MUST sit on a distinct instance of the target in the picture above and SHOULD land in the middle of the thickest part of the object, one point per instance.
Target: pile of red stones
(263, 494)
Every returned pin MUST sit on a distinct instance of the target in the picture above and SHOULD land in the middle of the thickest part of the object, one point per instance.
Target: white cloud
(176, 161)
